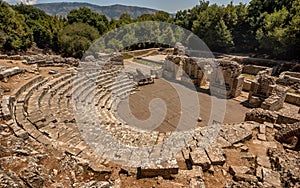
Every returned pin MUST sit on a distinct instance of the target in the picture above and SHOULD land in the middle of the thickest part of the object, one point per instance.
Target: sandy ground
(162, 89)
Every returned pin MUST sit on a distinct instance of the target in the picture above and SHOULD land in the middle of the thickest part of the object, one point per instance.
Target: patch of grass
(127, 56)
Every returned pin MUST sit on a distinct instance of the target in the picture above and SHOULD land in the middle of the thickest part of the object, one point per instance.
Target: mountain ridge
(111, 11)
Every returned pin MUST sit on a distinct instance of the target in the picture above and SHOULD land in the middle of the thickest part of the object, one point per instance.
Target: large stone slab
(216, 155)
(263, 161)
(195, 172)
(199, 157)
(271, 177)
(246, 177)
(158, 168)
(238, 170)
(235, 134)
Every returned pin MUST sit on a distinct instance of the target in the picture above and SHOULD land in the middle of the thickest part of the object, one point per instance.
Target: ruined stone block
(216, 155)
(199, 157)
(164, 168)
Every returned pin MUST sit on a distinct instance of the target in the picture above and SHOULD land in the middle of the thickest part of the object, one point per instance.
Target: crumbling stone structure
(185, 69)
(289, 78)
(198, 71)
(264, 93)
(230, 77)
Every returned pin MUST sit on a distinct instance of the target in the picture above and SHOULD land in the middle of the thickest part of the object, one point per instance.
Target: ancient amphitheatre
(42, 145)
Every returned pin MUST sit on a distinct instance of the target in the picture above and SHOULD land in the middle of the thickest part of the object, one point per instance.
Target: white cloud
(25, 2)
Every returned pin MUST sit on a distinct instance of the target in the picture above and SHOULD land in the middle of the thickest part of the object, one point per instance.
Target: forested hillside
(113, 11)
(262, 27)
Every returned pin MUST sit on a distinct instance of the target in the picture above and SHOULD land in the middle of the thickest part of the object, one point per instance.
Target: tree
(162, 16)
(218, 38)
(85, 15)
(18, 34)
(167, 37)
(3, 38)
(76, 38)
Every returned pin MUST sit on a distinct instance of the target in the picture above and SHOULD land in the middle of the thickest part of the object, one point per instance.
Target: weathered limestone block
(245, 177)
(181, 161)
(235, 134)
(238, 170)
(271, 177)
(237, 86)
(3, 56)
(16, 57)
(216, 155)
(262, 137)
(276, 100)
(195, 172)
(263, 161)
(293, 98)
(96, 166)
(197, 183)
(290, 135)
(50, 60)
(10, 72)
(6, 104)
(199, 157)
(158, 168)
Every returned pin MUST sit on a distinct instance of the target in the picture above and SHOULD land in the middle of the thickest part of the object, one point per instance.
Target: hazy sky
(166, 5)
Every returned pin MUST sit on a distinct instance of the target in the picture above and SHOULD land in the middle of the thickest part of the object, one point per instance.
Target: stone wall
(12, 57)
(254, 69)
(185, 69)
(288, 78)
(50, 60)
(293, 99)
(277, 66)
(233, 79)
(43, 60)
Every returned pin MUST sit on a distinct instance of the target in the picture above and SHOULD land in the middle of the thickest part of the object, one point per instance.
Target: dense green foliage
(269, 27)
(85, 15)
(76, 38)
